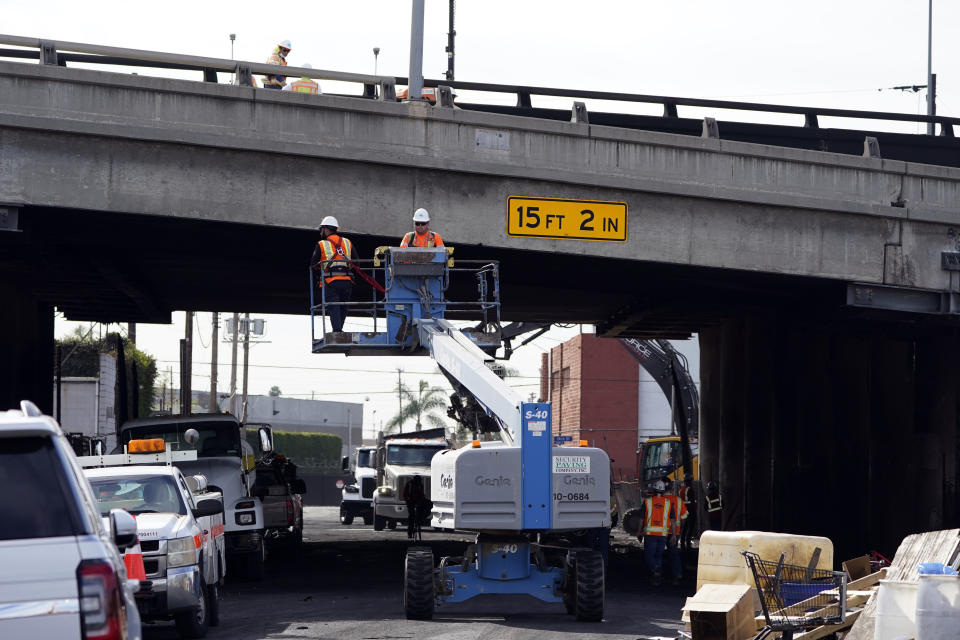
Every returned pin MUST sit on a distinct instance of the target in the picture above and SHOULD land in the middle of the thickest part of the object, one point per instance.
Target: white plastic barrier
(896, 610)
(938, 607)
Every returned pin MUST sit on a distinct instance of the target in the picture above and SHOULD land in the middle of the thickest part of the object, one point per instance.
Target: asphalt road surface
(345, 583)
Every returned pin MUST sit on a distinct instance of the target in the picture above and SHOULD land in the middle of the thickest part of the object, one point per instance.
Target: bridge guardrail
(381, 87)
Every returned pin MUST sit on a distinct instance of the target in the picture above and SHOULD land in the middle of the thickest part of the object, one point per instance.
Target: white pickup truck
(180, 530)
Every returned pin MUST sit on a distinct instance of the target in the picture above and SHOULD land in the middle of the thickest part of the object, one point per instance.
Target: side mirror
(123, 528)
(191, 436)
(266, 439)
(345, 464)
(299, 486)
(208, 507)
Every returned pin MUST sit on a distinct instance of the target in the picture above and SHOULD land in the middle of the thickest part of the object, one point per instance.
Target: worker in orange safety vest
(332, 259)
(279, 57)
(657, 515)
(304, 84)
(421, 236)
(677, 520)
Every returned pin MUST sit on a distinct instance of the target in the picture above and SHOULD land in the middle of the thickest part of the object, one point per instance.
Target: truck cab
(399, 458)
(180, 531)
(356, 500)
(227, 461)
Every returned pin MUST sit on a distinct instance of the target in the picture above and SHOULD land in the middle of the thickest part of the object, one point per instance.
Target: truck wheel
(379, 522)
(391, 524)
(418, 596)
(346, 518)
(213, 605)
(588, 572)
(368, 519)
(193, 624)
(255, 561)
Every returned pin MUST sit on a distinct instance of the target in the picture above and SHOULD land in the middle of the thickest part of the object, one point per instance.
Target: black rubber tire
(346, 518)
(194, 623)
(368, 519)
(391, 524)
(418, 588)
(213, 605)
(379, 522)
(255, 563)
(588, 571)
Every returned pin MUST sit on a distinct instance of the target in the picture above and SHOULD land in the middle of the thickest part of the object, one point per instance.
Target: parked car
(63, 576)
(280, 492)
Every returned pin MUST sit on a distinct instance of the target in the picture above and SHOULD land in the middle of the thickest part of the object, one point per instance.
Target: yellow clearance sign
(566, 219)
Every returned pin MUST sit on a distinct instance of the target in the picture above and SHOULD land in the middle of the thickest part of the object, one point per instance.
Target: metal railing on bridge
(50, 52)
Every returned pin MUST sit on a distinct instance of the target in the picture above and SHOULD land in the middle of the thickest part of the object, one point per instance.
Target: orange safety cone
(133, 559)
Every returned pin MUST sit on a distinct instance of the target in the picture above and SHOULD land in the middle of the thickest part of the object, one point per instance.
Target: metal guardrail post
(210, 75)
(579, 113)
(946, 129)
(670, 110)
(810, 121)
(523, 100)
(388, 91)
(710, 128)
(48, 53)
(871, 147)
(444, 96)
(244, 76)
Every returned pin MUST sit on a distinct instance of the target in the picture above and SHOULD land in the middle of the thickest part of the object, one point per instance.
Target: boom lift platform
(512, 493)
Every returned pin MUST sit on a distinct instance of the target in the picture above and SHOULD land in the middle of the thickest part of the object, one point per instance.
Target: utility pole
(186, 365)
(451, 34)
(415, 80)
(931, 78)
(400, 400)
(132, 333)
(246, 367)
(214, 405)
(233, 366)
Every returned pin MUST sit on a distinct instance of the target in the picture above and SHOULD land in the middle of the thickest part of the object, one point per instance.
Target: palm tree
(420, 407)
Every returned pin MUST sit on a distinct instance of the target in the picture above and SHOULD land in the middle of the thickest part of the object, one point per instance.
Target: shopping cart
(796, 598)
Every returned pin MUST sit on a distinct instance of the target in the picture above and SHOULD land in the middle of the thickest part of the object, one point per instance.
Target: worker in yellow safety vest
(421, 236)
(332, 259)
(656, 514)
(279, 57)
(304, 84)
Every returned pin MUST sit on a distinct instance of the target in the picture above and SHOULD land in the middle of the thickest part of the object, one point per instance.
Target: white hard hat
(330, 221)
(285, 44)
(659, 486)
(307, 65)
(421, 215)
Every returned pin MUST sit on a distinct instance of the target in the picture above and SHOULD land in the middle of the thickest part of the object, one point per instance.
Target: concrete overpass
(823, 285)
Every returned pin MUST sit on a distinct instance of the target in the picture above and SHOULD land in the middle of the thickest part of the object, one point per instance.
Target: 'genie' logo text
(499, 481)
(446, 482)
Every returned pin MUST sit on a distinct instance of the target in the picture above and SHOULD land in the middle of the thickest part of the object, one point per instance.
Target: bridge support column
(26, 350)
(833, 430)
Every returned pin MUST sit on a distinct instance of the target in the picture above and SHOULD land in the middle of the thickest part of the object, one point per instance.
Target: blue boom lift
(515, 493)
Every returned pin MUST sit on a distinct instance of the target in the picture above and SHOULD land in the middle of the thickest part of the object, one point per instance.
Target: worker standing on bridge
(421, 236)
(280, 53)
(304, 84)
(332, 258)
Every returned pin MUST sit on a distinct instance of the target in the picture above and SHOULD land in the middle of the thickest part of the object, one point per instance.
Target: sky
(845, 54)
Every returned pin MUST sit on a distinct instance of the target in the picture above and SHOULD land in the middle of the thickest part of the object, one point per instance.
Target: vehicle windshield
(364, 458)
(411, 456)
(216, 438)
(661, 459)
(140, 494)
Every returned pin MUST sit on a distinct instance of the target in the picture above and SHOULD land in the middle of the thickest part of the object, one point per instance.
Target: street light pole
(415, 80)
(376, 55)
(931, 78)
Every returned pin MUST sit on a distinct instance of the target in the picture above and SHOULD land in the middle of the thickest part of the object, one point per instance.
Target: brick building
(600, 393)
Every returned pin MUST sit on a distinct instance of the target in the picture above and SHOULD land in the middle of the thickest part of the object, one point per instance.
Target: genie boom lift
(517, 494)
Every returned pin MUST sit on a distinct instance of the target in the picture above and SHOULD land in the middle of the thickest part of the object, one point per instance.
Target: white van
(62, 575)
